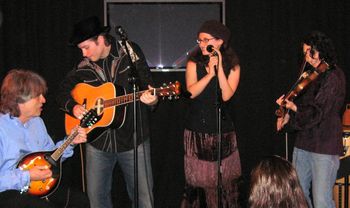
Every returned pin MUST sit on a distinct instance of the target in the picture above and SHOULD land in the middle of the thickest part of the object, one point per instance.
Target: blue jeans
(99, 172)
(321, 170)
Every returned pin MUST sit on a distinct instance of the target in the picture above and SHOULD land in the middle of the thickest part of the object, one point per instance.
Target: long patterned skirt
(201, 170)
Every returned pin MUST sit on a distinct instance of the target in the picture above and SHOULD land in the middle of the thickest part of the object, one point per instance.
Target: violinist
(316, 119)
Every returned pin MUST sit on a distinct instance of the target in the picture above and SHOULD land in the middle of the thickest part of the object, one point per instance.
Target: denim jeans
(99, 173)
(321, 170)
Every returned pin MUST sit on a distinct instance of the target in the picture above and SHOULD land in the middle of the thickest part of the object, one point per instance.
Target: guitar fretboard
(124, 99)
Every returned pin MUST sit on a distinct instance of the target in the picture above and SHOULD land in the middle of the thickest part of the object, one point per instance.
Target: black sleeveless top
(202, 114)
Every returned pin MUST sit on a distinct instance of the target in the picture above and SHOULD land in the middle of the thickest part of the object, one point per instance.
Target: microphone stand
(132, 80)
(286, 135)
(219, 133)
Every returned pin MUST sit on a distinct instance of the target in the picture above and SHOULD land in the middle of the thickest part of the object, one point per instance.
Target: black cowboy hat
(86, 29)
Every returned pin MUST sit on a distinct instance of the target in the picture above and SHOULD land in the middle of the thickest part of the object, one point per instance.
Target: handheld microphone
(210, 49)
(121, 32)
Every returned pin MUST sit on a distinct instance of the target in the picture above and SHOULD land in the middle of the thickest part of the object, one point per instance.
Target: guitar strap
(114, 67)
(134, 56)
(100, 72)
(121, 52)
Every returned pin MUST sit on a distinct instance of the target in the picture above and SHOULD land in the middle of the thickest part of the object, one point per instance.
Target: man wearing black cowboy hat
(105, 61)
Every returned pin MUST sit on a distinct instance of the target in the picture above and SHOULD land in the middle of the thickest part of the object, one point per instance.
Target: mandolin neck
(59, 151)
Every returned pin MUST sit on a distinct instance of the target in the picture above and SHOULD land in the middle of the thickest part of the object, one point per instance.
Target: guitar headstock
(89, 119)
(171, 90)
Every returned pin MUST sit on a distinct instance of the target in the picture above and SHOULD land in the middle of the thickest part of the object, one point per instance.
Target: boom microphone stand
(132, 80)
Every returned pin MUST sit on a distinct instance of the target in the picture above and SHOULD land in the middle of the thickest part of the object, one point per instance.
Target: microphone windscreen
(210, 48)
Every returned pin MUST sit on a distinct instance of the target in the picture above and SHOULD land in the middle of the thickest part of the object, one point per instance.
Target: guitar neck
(124, 99)
(59, 151)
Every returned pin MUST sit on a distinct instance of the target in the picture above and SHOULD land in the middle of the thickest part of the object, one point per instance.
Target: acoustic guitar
(103, 100)
(51, 159)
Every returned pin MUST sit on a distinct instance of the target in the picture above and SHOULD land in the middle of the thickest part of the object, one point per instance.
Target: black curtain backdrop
(265, 34)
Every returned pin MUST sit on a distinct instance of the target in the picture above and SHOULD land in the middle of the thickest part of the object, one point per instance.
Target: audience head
(274, 183)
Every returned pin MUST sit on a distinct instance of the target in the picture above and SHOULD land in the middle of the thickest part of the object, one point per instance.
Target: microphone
(121, 32)
(210, 49)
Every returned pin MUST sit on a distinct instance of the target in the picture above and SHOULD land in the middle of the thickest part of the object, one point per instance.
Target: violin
(304, 80)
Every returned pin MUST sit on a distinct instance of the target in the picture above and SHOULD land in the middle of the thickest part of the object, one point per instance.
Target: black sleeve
(327, 99)
(64, 97)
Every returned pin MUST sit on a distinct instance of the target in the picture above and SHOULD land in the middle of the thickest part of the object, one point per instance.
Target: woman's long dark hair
(324, 45)
(274, 183)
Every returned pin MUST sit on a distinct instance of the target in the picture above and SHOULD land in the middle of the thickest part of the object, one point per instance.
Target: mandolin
(51, 159)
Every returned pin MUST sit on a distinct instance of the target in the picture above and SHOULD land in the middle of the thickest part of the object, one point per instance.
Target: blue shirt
(17, 140)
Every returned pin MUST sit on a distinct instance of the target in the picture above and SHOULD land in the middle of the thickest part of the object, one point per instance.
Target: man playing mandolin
(316, 117)
(106, 66)
(23, 132)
